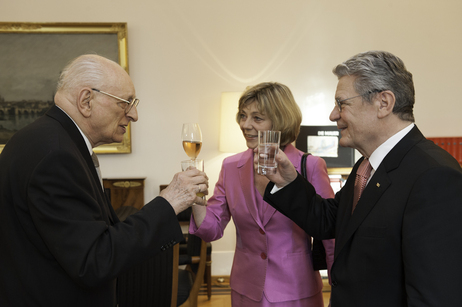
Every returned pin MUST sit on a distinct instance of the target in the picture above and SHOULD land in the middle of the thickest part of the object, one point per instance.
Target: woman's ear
(84, 101)
(386, 100)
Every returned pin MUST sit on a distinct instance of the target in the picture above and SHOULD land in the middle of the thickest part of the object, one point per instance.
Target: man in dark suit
(61, 243)
(400, 244)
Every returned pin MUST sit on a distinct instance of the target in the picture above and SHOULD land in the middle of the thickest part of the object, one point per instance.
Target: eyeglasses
(130, 103)
(340, 102)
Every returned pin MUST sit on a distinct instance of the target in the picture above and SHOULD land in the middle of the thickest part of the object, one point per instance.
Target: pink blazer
(272, 253)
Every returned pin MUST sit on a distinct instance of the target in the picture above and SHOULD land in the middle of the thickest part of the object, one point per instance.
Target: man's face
(358, 119)
(108, 120)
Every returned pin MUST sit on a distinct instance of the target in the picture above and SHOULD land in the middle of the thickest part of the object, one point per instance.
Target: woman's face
(251, 120)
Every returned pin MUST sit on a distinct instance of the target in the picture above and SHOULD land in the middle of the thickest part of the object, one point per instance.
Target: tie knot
(95, 159)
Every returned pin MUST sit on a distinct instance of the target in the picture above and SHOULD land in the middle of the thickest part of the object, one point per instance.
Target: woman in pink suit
(272, 263)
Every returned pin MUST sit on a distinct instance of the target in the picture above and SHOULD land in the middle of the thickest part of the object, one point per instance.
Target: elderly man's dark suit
(402, 245)
(61, 243)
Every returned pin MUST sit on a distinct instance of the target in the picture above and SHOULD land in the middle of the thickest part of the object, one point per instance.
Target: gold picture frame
(34, 54)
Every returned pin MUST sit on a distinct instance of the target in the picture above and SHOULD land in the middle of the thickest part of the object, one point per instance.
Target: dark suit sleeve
(431, 239)
(67, 214)
(299, 202)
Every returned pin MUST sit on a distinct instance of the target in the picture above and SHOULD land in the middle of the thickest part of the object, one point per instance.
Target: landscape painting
(32, 56)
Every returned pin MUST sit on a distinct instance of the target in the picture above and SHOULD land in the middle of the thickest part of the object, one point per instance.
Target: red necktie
(362, 175)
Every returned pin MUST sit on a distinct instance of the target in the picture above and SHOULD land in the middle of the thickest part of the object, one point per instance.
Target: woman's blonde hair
(276, 101)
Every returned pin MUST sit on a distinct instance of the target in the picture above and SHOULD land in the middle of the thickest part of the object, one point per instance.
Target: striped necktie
(362, 175)
(96, 163)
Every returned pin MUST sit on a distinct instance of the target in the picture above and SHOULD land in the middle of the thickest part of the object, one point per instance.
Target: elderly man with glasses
(397, 219)
(61, 244)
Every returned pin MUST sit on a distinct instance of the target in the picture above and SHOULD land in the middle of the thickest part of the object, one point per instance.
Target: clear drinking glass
(268, 146)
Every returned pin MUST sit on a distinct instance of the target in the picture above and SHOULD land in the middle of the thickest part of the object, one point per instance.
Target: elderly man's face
(357, 121)
(109, 121)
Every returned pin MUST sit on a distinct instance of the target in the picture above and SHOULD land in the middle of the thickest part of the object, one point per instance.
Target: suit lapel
(268, 214)
(76, 136)
(377, 185)
(270, 211)
(245, 167)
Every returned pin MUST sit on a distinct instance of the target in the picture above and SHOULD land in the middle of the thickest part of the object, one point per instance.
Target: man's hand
(285, 173)
(181, 192)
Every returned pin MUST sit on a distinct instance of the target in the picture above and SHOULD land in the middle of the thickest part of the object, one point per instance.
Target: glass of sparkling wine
(192, 139)
(268, 146)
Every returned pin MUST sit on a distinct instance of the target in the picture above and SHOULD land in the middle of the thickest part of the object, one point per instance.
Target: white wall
(184, 53)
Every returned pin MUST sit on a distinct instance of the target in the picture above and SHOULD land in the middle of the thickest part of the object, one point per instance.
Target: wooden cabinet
(125, 191)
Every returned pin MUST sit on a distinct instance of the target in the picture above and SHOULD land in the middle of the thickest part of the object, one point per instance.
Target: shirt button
(263, 256)
(262, 231)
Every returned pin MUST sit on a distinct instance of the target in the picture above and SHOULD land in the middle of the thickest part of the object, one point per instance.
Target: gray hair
(377, 71)
(86, 70)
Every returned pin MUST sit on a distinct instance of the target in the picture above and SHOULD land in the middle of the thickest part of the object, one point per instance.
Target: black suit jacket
(402, 246)
(61, 243)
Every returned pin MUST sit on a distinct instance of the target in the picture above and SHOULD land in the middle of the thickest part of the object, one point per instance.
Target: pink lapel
(268, 214)
(246, 177)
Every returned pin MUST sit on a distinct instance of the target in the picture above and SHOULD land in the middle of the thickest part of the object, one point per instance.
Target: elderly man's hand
(181, 192)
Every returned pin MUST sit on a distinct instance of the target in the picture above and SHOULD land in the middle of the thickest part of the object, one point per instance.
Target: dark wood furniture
(125, 192)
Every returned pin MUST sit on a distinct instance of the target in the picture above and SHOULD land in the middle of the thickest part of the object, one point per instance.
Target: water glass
(268, 146)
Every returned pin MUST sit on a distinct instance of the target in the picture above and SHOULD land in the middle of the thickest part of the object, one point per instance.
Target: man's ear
(386, 101)
(84, 101)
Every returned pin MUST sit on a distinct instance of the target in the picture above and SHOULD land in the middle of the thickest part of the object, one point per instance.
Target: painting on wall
(32, 56)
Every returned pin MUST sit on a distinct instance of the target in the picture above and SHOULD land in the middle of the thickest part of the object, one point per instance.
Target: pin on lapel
(378, 185)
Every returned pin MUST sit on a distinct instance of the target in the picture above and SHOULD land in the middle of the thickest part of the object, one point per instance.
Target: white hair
(86, 70)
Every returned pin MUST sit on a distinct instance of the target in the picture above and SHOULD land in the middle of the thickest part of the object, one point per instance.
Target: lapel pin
(378, 185)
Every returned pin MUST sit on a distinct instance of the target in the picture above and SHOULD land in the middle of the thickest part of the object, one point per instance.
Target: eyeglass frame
(130, 104)
(338, 102)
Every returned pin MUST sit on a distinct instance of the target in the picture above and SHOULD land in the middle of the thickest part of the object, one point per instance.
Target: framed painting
(32, 56)
(323, 141)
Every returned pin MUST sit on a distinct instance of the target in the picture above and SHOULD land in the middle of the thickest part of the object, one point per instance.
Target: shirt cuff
(274, 189)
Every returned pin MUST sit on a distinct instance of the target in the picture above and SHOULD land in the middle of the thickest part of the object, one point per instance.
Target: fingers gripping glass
(339, 103)
(130, 103)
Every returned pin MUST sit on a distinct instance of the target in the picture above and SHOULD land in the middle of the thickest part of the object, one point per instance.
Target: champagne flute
(191, 136)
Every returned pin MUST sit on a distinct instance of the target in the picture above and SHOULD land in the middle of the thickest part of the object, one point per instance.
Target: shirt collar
(87, 141)
(379, 154)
